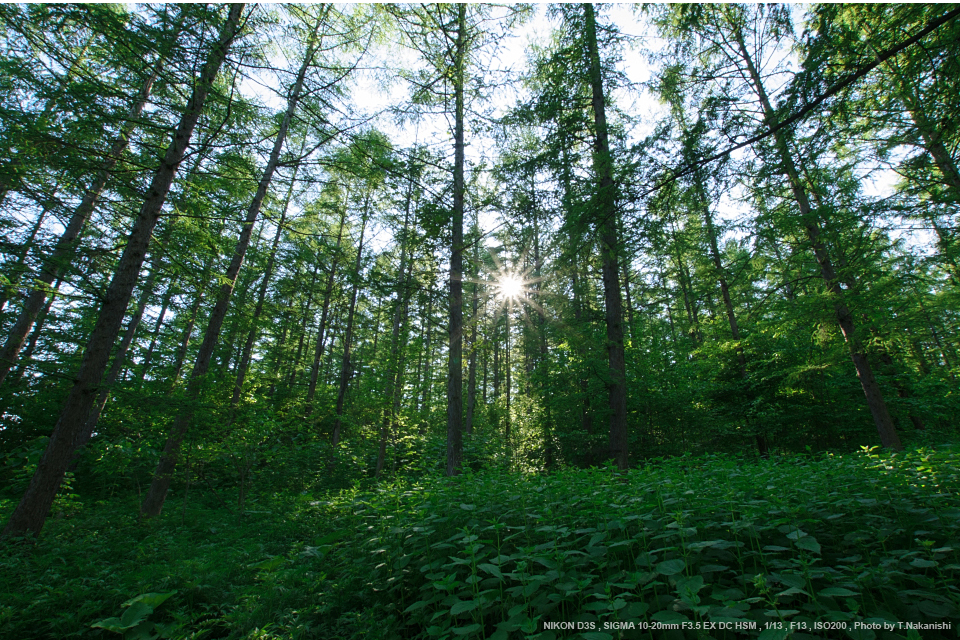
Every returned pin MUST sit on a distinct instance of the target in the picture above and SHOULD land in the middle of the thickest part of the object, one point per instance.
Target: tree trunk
(871, 390)
(155, 334)
(245, 355)
(120, 356)
(455, 331)
(610, 245)
(393, 363)
(348, 334)
(63, 251)
(327, 295)
(295, 366)
(17, 267)
(33, 508)
(35, 335)
(163, 475)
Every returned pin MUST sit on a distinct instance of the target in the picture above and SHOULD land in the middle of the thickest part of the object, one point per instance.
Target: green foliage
(867, 537)
(133, 623)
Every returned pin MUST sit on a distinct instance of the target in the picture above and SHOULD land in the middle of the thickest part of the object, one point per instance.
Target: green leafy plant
(133, 623)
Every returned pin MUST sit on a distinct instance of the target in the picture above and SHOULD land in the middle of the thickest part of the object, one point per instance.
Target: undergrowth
(866, 538)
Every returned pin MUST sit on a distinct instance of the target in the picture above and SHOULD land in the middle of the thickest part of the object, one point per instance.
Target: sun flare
(510, 286)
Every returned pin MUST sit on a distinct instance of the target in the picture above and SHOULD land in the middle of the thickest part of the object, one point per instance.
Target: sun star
(510, 286)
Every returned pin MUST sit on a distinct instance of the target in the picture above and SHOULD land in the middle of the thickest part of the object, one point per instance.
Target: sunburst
(510, 286)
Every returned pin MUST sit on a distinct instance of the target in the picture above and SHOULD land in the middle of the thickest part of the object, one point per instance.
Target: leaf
(419, 604)
(920, 563)
(151, 599)
(465, 605)
(331, 537)
(693, 584)
(859, 633)
(935, 609)
(110, 624)
(809, 543)
(143, 631)
(670, 567)
(671, 617)
(596, 635)
(467, 507)
(491, 569)
(831, 592)
(135, 614)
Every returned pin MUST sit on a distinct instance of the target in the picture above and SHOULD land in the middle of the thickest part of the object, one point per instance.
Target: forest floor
(829, 546)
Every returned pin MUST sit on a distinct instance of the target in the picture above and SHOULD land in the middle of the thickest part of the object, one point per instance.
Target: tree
(32, 510)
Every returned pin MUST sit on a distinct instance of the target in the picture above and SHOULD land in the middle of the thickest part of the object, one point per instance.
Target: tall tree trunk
(163, 475)
(871, 389)
(187, 334)
(472, 366)
(52, 267)
(348, 334)
(17, 267)
(427, 381)
(455, 332)
(327, 296)
(295, 365)
(610, 246)
(120, 356)
(245, 355)
(586, 415)
(27, 354)
(33, 508)
(393, 362)
(155, 334)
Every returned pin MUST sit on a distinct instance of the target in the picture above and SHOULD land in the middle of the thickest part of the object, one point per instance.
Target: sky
(377, 88)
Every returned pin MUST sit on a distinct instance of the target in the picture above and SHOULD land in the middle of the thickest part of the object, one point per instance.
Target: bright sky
(376, 91)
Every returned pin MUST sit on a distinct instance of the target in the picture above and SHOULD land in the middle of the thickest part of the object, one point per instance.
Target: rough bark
(610, 247)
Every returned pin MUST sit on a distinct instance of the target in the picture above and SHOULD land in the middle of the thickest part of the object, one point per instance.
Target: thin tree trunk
(261, 297)
(33, 508)
(393, 363)
(155, 334)
(185, 339)
(472, 366)
(120, 356)
(871, 389)
(17, 267)
(63, 251)
(327, 296)
(157, 494)
(27, 354)
(427, 380)
(455, 332)
(303, 331)
(610, 246)
(586, 415)
(348, 334)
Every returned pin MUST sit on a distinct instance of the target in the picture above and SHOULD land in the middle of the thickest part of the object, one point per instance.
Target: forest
(480, 321)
